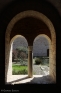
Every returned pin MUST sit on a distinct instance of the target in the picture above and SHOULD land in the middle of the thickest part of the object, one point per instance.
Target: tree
(22, 53)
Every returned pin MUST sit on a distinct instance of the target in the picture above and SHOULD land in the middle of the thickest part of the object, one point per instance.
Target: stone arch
(45, 36)
(49, 43)
(16, 36)
(9, 70)
(40, 16)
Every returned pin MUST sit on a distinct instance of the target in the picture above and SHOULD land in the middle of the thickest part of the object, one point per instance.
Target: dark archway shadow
(42, 80)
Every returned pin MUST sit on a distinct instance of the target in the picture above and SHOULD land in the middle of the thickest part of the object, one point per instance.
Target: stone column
(6, 60)
(53, 62)
(9, 74)
(30, 61)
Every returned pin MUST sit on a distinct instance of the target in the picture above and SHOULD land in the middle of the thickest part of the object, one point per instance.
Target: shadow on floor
(18, 80)
(36, 80)
(42, 80)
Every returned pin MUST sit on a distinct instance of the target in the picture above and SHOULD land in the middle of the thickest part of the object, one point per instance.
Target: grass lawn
(18, 69)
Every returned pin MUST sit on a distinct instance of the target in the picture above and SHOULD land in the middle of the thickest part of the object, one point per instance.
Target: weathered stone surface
(42, 17)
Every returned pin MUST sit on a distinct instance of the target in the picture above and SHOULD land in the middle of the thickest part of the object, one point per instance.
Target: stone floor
(24, 79)
(40, 70)
(41, 77)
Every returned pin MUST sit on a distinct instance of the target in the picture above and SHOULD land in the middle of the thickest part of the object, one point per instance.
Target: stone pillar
(53, 65)
(53, 62)
(6, 60)
(9, 74)
(30, 61)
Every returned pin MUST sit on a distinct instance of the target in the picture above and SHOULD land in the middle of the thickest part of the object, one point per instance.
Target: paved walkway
(40, 70)
(36, 79)
(41, 77)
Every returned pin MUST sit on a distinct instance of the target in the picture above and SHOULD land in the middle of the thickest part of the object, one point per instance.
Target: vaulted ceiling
(30, 27)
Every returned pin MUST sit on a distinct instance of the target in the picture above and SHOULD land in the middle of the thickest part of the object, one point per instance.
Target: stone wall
(52, 57)
(40, 45)
(20, 41)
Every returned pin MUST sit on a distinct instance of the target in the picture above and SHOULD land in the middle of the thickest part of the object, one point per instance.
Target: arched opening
(40, 58)
(39, 16)
(18, 43)
(20, 56)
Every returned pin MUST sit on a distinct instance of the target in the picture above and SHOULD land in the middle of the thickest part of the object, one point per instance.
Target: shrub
(37, 61)
(23, 63)
(45, 61)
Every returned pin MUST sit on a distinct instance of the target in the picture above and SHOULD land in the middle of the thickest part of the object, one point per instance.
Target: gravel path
(40, 70)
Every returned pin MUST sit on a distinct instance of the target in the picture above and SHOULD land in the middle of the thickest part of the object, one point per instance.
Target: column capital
(30, 48)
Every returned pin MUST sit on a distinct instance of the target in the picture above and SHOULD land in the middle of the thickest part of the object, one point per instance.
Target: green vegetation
(42, 60)
(21, 68)
(23, 49)
(18, 69)
(37, 61)
(21, 61)
(20, 54)
(45, 61)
